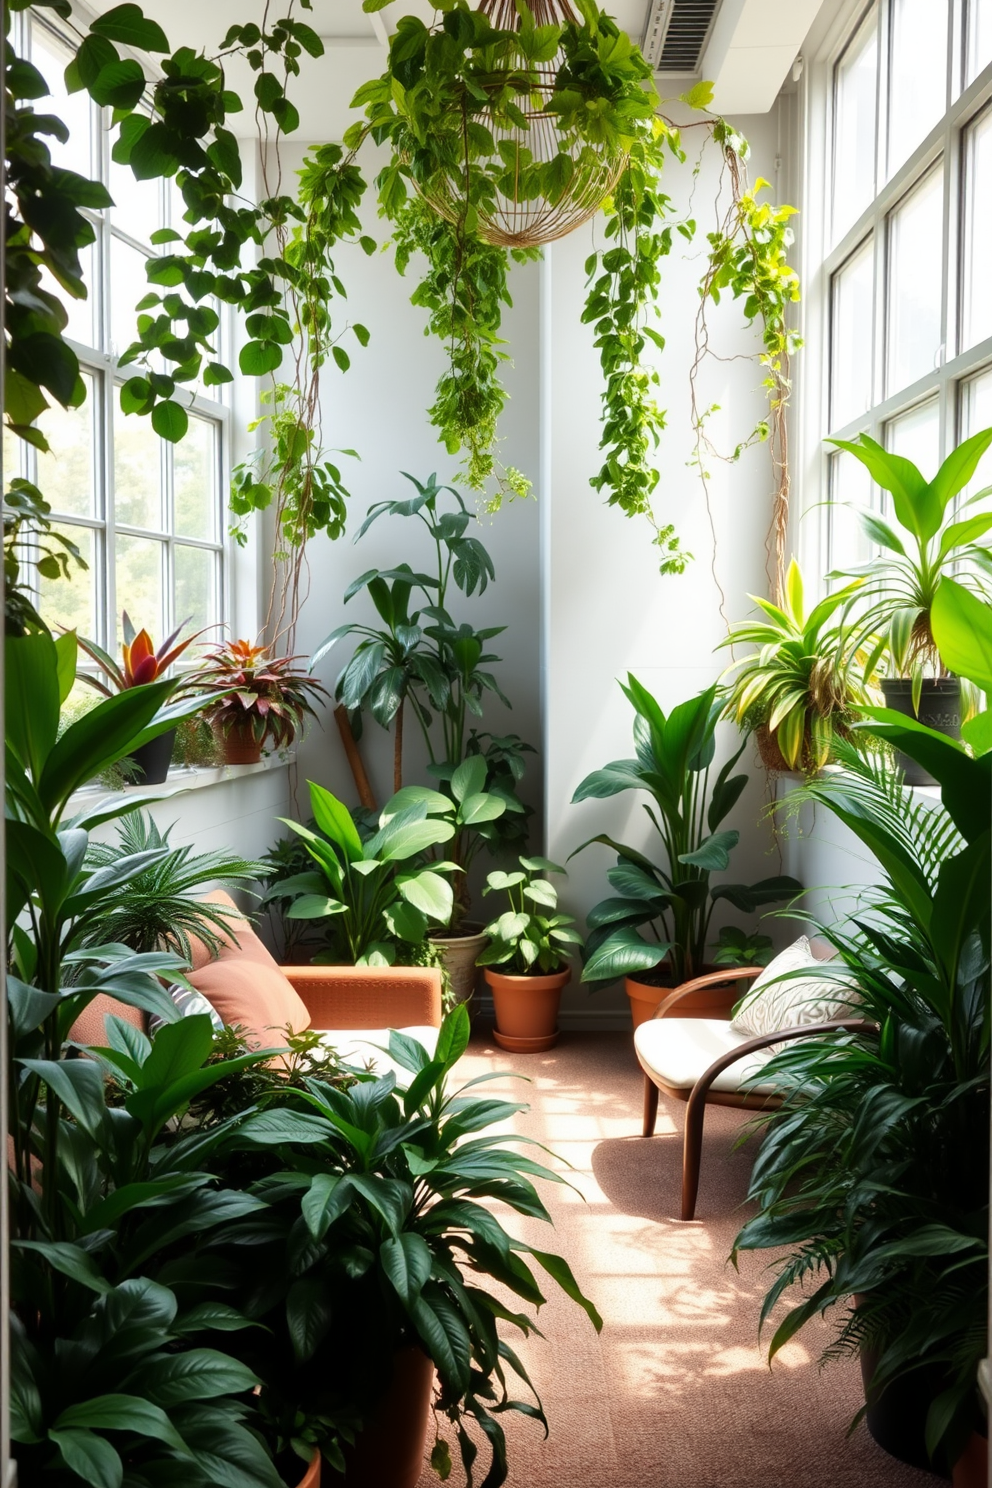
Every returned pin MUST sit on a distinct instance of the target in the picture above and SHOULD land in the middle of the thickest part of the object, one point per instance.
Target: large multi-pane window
(147, 516)
(906, 297)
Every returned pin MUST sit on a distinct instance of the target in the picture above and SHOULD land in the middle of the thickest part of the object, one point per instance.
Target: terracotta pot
(389, 1453)
(311, 1478)
(238, 745)
(459, 953)
(972, 1468)
(526, 1009)
(645, 998)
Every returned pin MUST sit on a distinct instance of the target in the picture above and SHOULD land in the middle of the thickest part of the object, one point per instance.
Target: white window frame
(820, 258)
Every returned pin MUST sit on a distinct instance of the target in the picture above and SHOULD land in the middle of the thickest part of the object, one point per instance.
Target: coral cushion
(257, 996)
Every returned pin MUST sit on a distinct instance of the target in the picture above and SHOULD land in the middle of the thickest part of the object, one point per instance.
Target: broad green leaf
(406, 1261)
(197, 1374)
(31, 698)
(470, 778)
(962, 629)
(89, 1457)
(121, 1413)
(335, 821)
(428, 892)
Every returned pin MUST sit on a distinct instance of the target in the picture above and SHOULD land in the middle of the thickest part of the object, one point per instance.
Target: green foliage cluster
(29, 539)
(530, 937)
(874, 1173)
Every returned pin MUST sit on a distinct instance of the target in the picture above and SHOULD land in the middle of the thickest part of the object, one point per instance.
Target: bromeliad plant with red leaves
(259, 692)
(140, 662)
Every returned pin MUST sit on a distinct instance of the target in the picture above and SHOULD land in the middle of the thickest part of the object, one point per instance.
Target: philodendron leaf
(469, 779)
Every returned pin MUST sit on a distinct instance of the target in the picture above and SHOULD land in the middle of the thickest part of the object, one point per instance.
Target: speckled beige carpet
(676, 1391)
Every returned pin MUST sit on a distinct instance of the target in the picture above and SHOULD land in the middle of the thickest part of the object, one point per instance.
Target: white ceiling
(752, 47)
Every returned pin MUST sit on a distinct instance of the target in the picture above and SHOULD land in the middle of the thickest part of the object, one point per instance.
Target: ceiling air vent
(676, 33)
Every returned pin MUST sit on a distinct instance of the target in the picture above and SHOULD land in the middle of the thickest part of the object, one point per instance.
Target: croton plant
(257, 692)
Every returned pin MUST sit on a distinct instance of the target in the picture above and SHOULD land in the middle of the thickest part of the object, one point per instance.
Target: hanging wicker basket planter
(546, 180)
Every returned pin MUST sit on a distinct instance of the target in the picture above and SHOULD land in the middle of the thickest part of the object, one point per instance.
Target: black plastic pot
(152, 760)
(897, 1417)
(940, 709)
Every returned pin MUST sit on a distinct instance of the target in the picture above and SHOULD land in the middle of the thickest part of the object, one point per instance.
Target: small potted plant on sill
(931, 539)
(672, 902)
(260, 699)
(140, 664)
(798, 689)
(526, 958)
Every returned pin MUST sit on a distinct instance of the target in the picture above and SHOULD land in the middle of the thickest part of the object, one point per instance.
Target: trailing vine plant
(462, 105)
(170, 115)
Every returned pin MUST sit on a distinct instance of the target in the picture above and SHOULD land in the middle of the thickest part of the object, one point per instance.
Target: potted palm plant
(141, 663)
(874, 1172)
(526, 960)
(258, 699)
(801, 686)
(932, 538)
(673, 902)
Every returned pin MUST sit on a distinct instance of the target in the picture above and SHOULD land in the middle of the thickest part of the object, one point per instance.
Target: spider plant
(159, 912)
(934, 540)
(874, 1173)
(803, 680)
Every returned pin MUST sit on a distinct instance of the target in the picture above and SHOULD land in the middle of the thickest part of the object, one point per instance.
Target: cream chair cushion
(679, 1050)
(773, 1004)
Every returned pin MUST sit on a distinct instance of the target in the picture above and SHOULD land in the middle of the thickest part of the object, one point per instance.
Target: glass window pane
(850, 482)
(851, 341)
(83, 317)
(855, 86)
(74, 109)
(915, 263)
(12, 448)
(976, 411)
(979, 37)
(195, 586)
(66, 475)
(195, 465)
(976, 304)
(137, 472)
(916, 436)
(137, 208)
(139, 585)
(918, 74)
(130, 284)
(72, 602)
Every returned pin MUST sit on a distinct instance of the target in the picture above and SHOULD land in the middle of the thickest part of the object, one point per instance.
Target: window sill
(182, 778)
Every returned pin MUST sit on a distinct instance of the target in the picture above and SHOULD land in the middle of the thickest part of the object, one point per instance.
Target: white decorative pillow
(776, 1001)
(189, 1002)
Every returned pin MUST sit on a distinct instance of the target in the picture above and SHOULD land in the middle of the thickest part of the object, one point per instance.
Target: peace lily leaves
(673, 902)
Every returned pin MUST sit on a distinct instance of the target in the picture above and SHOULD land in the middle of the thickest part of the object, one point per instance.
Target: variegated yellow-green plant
(806, 675)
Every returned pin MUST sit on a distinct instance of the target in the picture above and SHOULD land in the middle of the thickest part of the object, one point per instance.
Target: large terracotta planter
(972, 1468)
(389, 1453)
(311, 1478)
(459, 953)
(238, 745)
(526, 1009)
(646, 998)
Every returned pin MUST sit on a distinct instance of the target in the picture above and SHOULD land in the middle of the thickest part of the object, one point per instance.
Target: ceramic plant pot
(389, 1453)
(526, 1009)
(972, 1468)
(459, 953)
(311, 1478)
(239, 745)
(647, 997)
(896, 1416)
(152, 760)
(940, 709)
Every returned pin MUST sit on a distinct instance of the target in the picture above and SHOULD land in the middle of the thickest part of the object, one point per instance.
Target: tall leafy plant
(874, 1174)
(673, 900)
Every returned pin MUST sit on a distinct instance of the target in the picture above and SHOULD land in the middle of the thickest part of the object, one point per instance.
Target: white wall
(607, 610)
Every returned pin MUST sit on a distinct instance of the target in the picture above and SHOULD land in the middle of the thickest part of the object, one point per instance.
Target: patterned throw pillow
(776, 1001)
(189, 1002)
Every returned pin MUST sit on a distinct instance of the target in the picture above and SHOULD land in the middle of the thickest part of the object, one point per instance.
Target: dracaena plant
(379, 896)
(250, 689)
(805, 680)
(140, 663)
(380, 1196)
(530, 937)
(932, 539)
(673, 901)
(874, 1173)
